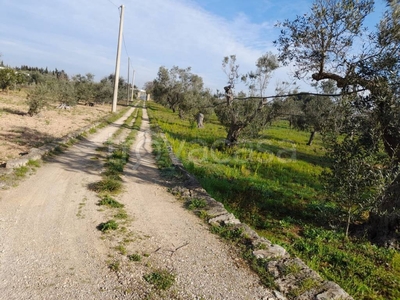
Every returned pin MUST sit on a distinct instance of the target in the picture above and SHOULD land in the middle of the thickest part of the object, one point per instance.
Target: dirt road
(51, 249)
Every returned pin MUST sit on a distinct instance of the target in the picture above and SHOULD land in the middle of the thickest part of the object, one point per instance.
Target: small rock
(279, 296)
(274, 251)
(225, 219)
(332, 291)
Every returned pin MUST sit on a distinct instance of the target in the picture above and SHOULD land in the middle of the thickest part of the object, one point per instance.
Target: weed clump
(161, 279)
(109, 225)
(135, 257)
(107, 185)
(107, 200)
(21, 171)
(195, 203)
(115, 266)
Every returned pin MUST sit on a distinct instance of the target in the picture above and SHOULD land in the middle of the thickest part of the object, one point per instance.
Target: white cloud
(81, 37)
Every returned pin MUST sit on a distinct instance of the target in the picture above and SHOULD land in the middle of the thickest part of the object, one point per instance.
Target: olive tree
(239, 113)
(314, 110)
(182, 91)
(331, 42)
(8, 78)
(38, 98)
(84, 87)
(103, 91)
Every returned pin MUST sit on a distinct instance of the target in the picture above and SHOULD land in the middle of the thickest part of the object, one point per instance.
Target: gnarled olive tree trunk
(200, 120)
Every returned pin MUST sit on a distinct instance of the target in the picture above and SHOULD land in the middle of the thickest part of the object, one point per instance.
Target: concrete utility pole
(133, 84)
(127, 99)
(118, 60)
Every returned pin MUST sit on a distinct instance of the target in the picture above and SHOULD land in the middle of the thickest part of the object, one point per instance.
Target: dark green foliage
(356, 179)
(64, 92)
(8, 78)
(181, 91)
(325, 44)
(38, 98)
(109, 225)
(84, 87)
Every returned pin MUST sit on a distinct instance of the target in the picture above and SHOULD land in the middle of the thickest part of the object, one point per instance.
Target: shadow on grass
(14, 111)
(292, 153)
(260, 202)
(206, 139)
(25, 136)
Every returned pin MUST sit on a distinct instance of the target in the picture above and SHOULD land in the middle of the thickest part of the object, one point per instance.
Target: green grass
(228, 232)
(272, 184)
(195, 204)
(112, 184)
(109, 119)
(107, 185)
(121, 215)
(135, 257)
(161, 279)
(121, 249)
(110, 202)
(21, 171)
(92, 130)
(33, 163)
(109, 225)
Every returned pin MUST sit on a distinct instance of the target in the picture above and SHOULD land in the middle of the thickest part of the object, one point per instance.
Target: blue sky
(80, 36)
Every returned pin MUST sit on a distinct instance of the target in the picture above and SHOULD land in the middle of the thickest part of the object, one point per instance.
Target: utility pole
(118, 60)
(133, 84)
(127, 99)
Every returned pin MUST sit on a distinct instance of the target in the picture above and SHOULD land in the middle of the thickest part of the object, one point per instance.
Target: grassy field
(272, 183)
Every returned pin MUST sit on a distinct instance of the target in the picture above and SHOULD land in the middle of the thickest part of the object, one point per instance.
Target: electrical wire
(113, 3)
(123, 36)
(126, 50)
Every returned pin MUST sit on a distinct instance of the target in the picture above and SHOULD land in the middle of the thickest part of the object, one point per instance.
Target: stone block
(332, 291)
(273, 251)
(225, 219)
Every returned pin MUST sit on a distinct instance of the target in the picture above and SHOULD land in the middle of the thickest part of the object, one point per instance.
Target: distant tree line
(47, 87)
(242, 113)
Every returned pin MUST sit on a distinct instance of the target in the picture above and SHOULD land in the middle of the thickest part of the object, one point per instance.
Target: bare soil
(19, 132)
(51, 247)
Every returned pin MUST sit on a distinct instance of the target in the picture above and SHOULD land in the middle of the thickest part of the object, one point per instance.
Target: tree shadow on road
(25, 137)
(14, 111)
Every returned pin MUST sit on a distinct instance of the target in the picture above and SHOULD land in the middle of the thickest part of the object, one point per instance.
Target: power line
(302, 94)
(113, 3)
(126, 50)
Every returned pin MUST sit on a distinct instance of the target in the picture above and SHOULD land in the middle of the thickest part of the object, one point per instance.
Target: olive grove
(332, 43)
